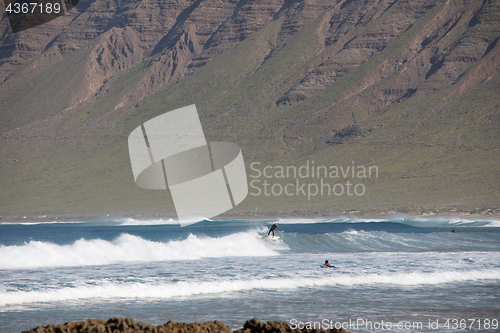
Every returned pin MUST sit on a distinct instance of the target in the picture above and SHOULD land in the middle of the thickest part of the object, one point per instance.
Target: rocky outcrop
(169, 66)
(256, 326)
(127, 325)
(116, 50)
(174, 39)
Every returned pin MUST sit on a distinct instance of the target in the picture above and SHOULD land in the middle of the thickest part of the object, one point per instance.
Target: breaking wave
(417, 221)
(382, 241)
(158, 290)
(130, 248)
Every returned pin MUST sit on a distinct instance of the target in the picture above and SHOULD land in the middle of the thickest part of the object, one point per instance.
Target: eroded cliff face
(291, 77)
(171, 39)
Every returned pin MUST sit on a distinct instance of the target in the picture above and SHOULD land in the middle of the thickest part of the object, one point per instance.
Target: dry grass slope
(408, 86)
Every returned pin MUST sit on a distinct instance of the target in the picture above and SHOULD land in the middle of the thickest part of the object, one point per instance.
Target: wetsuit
(272, 229)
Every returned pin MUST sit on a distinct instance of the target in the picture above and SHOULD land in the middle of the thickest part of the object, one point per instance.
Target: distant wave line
(193, 288)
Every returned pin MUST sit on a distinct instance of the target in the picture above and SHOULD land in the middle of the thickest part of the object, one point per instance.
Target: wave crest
(129, 248)
(161, 290)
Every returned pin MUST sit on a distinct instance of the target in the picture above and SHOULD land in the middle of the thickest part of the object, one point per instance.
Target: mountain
(410, 88)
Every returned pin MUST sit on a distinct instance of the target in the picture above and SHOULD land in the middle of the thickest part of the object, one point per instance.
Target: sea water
(400, 274)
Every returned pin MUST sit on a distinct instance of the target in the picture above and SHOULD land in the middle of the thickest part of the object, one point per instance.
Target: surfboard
(275, 237)
(323, 266)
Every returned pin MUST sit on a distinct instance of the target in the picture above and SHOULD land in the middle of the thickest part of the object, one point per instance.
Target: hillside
(411, 87)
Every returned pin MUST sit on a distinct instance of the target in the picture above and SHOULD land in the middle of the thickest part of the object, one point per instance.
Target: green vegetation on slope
(432, 133)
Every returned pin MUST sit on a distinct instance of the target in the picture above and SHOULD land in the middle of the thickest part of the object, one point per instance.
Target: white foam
(433, 220)
(297, 220)
(129, 248)
(352, 232)
(492, 223)
(131, 221)
(333, 219)
(40, 222)
(398, 218)
(158, 290)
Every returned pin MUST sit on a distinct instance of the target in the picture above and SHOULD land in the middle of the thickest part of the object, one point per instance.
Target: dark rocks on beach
(256, 326)
(127, 325)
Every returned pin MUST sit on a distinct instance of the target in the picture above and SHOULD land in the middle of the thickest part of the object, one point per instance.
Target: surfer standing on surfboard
(273, 228)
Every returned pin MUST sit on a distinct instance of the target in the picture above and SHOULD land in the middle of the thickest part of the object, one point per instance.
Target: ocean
(400, 273)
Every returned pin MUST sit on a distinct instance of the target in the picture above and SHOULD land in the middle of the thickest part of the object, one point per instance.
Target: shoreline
(492, 216)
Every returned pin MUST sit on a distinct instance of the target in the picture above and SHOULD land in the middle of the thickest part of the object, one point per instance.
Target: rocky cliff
(287, 80)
